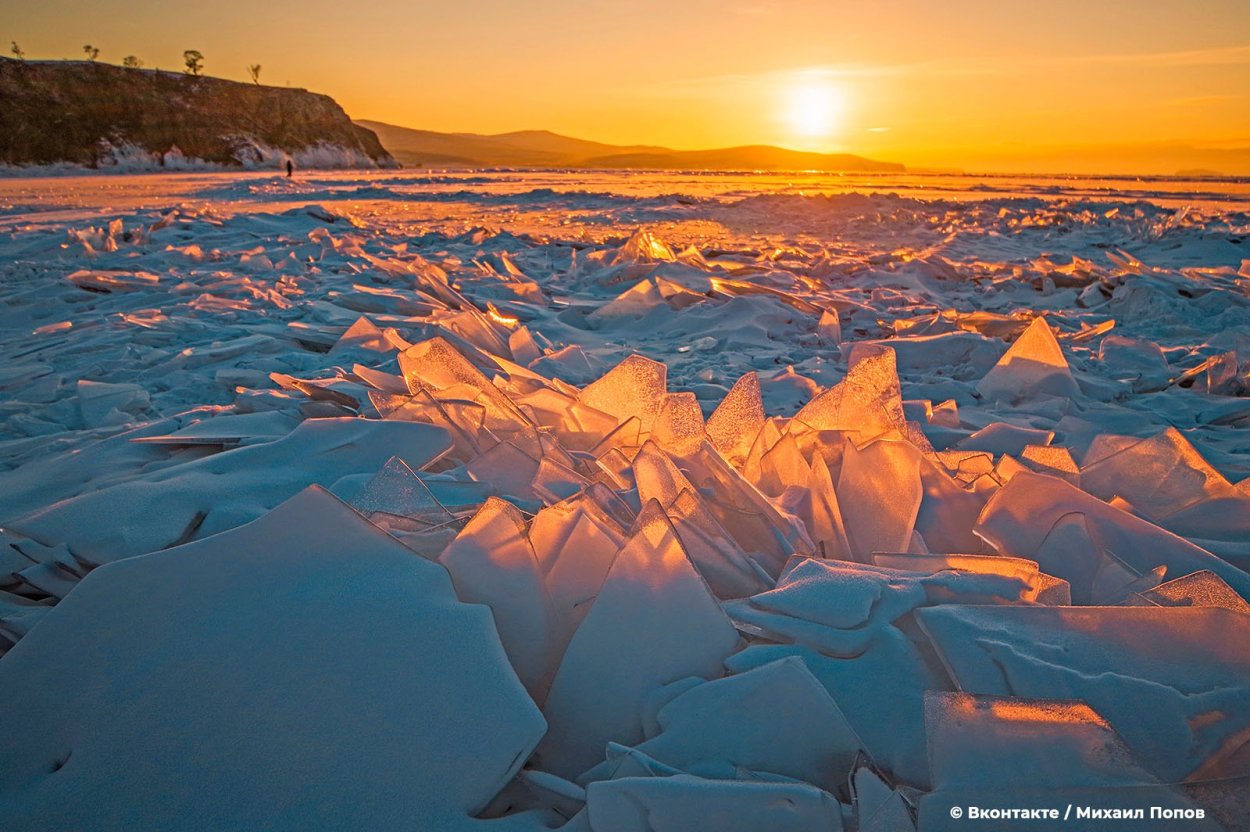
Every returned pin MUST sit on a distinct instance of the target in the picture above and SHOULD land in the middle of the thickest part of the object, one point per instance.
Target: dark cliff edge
(99, 115)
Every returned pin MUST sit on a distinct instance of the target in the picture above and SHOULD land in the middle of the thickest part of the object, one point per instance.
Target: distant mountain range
(542, 148)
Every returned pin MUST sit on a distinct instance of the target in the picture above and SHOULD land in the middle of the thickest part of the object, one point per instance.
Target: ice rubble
(1043, 753)
(864, 557)
(203, 496)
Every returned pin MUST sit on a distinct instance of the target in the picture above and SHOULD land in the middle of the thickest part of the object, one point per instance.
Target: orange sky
(1064, 85)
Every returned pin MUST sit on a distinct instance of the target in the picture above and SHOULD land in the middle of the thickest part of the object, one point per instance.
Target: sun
(813, 108)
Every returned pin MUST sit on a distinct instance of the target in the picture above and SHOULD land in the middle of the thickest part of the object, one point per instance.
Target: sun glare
(813, 109)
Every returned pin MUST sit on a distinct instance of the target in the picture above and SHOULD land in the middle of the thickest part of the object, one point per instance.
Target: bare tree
(194, 59)
(254, 71)
(91, 52)
(132, 62)
(17, 51)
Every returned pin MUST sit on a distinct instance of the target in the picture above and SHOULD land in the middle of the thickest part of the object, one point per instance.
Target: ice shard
(865, 404)
(653, 621)
(290, 654)
(1019, 517)
(1026, 752)
(1171, 681)
(1161, 476)
(679, 425)
(879, 491)
(491, 562)
(775, 719)
(1033, 366)
(204, 496)
(737, 420)
(575, 543)
(633, 388)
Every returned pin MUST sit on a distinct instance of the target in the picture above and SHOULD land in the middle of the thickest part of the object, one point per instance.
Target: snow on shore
(128, 158)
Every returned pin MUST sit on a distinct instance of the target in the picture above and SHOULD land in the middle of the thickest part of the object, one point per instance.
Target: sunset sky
(1066, 85)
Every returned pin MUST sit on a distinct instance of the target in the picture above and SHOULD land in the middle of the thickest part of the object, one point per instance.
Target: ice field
(615, 502)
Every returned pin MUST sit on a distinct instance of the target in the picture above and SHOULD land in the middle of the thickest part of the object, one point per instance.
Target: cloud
(1199, 100)
(1212, 56)
(1177, 59)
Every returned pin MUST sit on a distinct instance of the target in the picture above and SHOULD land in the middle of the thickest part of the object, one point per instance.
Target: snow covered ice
(621, 502)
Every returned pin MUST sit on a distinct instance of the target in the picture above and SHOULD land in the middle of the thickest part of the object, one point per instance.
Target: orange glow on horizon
(1151, 87)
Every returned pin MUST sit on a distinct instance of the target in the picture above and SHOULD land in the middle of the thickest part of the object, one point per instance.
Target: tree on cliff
(194, 60)
(92, 52)
(254, 71)
(132, 62)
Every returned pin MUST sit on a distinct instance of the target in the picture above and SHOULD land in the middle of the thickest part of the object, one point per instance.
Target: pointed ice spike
(744, 512)
(829, 328)
(769, 434)
(629, 306)
(1020, 515)
(524, 348)
(949, 510)
(575, 543)
(783, 466)
(362, 335)
(1034, 365)
(719, 559)
(1201, 589)
(679, 426)
(506, 468)
(396, 489)
(822, 514)
(656, 476)
(653, 621)
(1159, 476)
(633, 388)
(879, 491)
(491, 562)
(437, 365)
(867, 403)
(737, 420)
(554, 482)
(643, 247)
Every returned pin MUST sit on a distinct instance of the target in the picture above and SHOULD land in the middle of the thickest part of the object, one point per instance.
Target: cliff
(93, 114)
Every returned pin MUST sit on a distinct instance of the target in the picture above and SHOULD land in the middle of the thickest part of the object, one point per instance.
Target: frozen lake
(949, 460)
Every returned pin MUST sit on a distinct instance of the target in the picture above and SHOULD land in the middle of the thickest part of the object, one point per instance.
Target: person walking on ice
(290, 167)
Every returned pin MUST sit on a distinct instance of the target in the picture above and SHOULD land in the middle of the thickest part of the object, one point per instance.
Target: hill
(526, 148)
(97, 114)
(541, 148)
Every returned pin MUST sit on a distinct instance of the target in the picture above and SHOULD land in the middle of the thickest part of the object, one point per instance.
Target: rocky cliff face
(93, 114)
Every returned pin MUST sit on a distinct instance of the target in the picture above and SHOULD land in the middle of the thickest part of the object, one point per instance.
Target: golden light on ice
(814, 108)
(500, 318)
